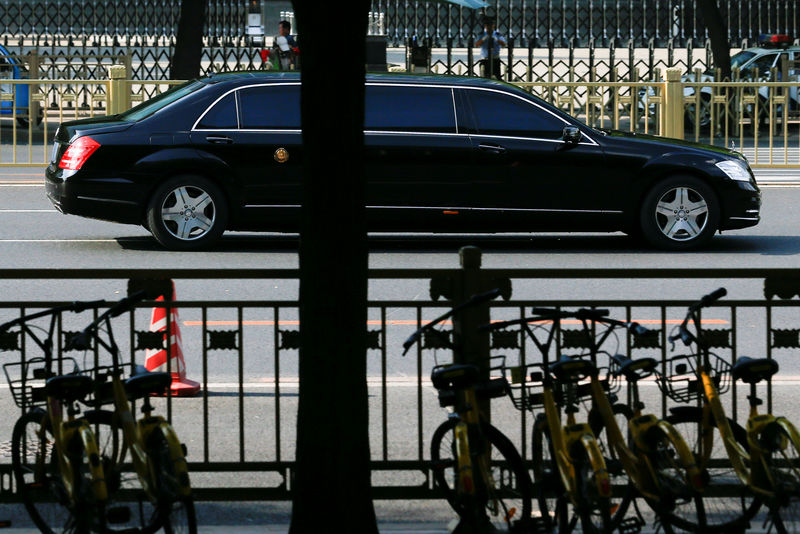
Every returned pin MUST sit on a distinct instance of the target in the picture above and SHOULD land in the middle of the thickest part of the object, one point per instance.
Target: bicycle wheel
(89, 512)
(594, 510)
(549, 488)
(783, 465)
(174, 509)
(721, 514)
(622, 487)
(36, 473)
(508, 501)
(678, 504)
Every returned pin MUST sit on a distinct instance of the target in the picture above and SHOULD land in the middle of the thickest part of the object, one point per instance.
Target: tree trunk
(331, 487)
(718, 34)
(189, 41)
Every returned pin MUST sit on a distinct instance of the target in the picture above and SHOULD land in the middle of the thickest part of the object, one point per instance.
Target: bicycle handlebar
(80, 340)
(76, 307)
(474, 300)
(683, 331)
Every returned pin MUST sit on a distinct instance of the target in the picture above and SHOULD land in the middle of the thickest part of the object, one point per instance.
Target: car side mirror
(571, 135)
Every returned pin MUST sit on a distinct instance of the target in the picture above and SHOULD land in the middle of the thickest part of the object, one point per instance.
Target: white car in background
(754, 64)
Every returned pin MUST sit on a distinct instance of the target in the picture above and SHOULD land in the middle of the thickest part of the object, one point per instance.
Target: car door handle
(219, 139)
(492, 149)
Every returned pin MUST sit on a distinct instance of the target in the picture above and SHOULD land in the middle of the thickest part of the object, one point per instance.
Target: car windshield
(741, 58)
(147, 108)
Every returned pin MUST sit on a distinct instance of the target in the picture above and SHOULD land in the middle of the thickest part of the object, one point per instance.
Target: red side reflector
(450, 212)
(77, 153)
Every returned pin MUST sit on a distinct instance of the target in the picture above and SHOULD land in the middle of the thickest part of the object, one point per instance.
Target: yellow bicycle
(474, 464)
(150, 443)
(568, 463)
(764, 459)
(54, 454)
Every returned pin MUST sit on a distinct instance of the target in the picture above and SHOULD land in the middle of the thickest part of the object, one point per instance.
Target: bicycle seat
(572, 369)
(145, 384)
(753, 370)
(455, 376)
(634, 370)
(69, 388)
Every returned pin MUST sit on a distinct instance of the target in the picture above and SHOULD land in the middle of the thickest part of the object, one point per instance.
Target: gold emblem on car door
(281, 155)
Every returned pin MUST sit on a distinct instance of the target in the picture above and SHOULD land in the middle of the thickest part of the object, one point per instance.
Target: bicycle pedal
(117, 515)
(631, 525)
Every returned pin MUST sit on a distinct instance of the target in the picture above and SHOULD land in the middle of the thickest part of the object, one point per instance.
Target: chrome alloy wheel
(681, 214)
(188, 212)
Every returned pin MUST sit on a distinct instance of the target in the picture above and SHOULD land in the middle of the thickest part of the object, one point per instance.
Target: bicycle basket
(681, 382)
(26, 379)
(526, 388)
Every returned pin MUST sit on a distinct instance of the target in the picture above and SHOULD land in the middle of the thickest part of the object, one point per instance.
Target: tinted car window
(501, 114)
(402, 108)
(270, 107)
(147, 108)
(221, 115)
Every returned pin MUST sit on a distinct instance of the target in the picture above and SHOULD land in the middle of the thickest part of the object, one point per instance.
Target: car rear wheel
(187, 213)
(679, 213)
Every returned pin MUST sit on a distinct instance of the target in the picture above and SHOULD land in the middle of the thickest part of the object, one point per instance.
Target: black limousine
(443, 154)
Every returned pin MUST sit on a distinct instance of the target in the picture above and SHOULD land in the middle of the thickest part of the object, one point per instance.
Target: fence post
(458, 288)
(672, 105)
(118, 95)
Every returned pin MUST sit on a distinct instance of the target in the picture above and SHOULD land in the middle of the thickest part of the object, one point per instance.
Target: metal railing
(244, 354)
(107, 22)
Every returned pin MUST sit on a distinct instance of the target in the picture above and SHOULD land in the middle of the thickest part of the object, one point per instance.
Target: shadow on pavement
(505, 243)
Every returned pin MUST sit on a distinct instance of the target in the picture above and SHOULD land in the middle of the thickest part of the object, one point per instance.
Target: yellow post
(672, 105)
(118, 95)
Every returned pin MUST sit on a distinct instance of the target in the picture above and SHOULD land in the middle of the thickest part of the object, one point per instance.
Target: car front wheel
(187, 213)
(679, 213)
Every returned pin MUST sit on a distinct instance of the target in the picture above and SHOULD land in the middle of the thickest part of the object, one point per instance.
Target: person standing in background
(490, 42)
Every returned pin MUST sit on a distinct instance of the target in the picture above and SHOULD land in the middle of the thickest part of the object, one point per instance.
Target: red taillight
(77, 153)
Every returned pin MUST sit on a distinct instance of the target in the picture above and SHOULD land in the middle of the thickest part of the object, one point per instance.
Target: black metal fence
(534, 22)
(244, 354)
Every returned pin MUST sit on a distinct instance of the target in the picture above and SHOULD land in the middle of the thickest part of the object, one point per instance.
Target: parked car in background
(17, 106)
(443, 154)
(757, 64)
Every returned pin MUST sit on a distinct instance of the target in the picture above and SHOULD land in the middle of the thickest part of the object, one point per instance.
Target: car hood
(107, 124)
(680, 144)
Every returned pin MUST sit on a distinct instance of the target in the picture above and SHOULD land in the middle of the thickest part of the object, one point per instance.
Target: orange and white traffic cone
(156, 359)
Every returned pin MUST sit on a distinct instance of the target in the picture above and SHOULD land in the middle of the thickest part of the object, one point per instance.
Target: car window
(501, 114)
(270, 107)
(763, 64)
(404, 108)
(222, 115)
(741, 58)
(147, 108)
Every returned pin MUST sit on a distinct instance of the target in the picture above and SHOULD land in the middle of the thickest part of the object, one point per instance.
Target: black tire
(679, 213)
(624, 490)
(42, 489)
(783, 464)
(550, 493)
(174, 510)
(195, 225)
(679, 504)
(594, 510)
(720, 516)
(36, 478)
(513, 486)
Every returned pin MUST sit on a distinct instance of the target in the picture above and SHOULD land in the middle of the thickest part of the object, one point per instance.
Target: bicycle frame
(565, 438)
(137, 433)
(63, 432)
(757, 477)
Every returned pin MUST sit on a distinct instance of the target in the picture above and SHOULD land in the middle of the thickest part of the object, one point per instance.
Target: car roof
(244, 77)
(765, 50)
